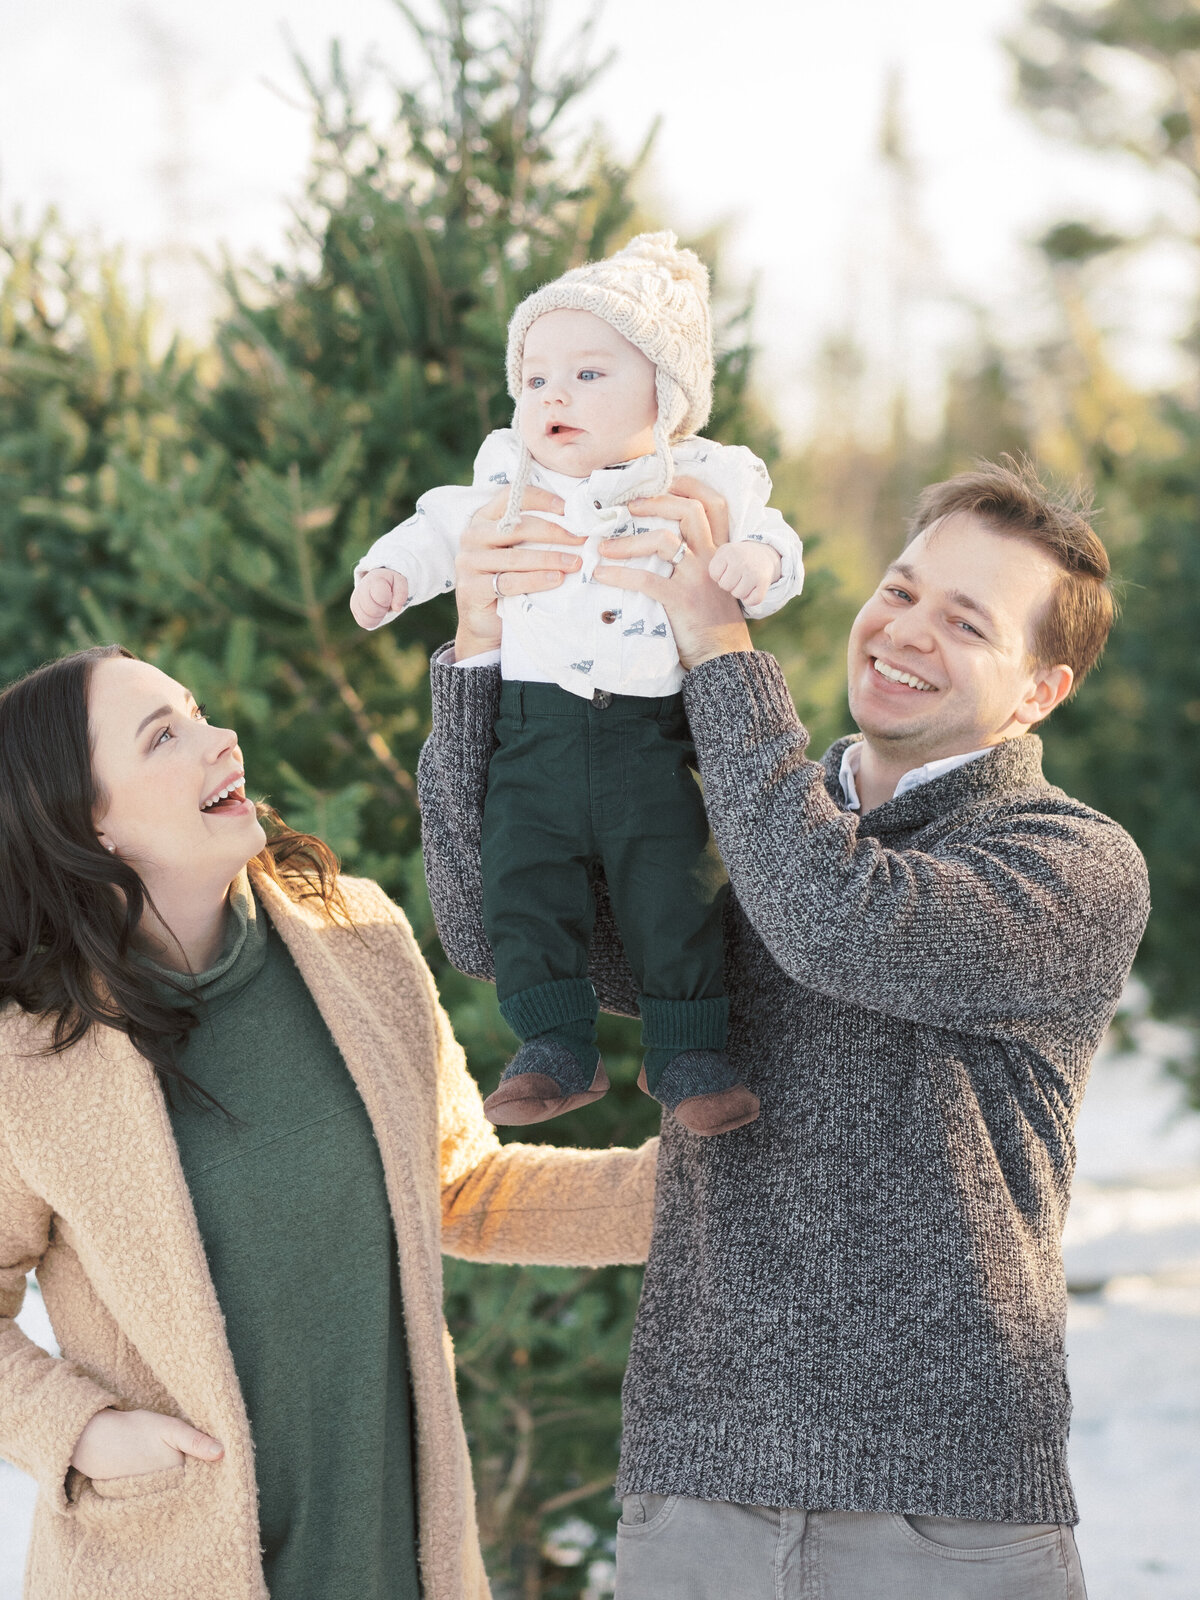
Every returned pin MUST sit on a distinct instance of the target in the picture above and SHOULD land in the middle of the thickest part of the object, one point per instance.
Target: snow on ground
(1133, 1336)
(1132, 1251)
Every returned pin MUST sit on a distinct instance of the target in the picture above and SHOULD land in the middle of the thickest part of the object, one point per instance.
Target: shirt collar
(243, 952)
(852, 755)
(603, 491)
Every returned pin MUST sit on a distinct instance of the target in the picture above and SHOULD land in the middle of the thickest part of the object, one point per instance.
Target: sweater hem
(988, 1479)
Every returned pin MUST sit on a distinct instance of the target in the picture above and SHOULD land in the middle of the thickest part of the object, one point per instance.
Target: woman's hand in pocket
(125, 1444)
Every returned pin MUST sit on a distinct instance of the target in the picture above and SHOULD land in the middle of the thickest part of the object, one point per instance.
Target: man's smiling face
(940, 658)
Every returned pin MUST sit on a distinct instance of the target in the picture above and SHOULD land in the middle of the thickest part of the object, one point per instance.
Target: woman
(236, 1134)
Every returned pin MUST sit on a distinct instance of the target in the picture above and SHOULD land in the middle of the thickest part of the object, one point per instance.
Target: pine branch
(327, 656)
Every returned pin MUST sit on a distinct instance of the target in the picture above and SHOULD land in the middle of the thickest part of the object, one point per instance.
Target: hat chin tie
(516, 490)
(672, 404)
(672, 407)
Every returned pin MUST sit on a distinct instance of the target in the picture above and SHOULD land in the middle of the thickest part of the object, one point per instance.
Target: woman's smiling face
(160, 768)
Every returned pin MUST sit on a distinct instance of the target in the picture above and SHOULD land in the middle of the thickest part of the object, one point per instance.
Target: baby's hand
(746, 570)
(376, 593)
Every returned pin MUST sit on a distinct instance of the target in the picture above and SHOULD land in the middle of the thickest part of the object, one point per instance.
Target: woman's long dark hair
(69, 909)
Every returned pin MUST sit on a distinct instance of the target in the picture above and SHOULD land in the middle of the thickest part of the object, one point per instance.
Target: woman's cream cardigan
(92, 1196)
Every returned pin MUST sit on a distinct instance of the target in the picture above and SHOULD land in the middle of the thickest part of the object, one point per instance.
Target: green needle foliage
(97, 431)
(1131, 742)
(1120, 75)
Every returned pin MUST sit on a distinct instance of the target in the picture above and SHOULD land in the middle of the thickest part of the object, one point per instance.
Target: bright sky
(152, 120)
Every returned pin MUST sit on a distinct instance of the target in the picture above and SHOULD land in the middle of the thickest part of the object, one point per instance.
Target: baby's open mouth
(559, 430)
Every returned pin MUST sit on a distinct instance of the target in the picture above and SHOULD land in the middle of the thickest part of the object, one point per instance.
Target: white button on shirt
(852, 755)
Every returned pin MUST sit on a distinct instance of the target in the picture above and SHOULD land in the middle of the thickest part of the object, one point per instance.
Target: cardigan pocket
(137, 1537)
(106, 1507)
(141, 1483)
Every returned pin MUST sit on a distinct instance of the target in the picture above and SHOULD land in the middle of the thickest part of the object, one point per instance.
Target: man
(847, 1376)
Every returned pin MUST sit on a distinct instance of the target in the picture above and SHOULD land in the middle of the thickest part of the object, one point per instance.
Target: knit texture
(684, 1024)
(857, 1302)
(688, 1036)
(93, 1196)
(550, 1005)
(298, 1144)
(656, 296)
(675, 1076)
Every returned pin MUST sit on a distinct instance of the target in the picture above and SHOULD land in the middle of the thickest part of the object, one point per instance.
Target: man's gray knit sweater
(856, 1302)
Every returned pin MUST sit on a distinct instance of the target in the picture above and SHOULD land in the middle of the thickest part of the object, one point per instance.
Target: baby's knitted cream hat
(656, 296)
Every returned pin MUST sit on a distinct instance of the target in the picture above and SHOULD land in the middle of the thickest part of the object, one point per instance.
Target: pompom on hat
(656, 296)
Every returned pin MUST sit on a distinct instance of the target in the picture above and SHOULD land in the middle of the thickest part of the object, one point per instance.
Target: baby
(611, 368)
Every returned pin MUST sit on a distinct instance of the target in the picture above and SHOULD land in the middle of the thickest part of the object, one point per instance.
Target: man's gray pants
(672, 1548)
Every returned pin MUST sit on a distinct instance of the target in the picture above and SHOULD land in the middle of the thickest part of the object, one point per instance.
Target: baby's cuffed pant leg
(565, 1010)
(672, 1029)
(686, 1068)
(558, 1066)
(566, 1002)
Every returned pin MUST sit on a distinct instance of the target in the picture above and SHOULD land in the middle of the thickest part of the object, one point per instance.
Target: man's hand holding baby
(488, 557)
(746, 570)
(705, 619)
(376, 595)
(493, 563)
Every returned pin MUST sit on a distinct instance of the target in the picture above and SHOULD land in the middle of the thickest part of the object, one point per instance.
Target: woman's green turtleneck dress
(293, 1212)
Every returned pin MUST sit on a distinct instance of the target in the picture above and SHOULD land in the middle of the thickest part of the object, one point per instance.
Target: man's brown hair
(1008, 497)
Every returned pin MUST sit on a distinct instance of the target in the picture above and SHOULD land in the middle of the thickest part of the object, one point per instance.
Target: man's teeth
(894, 675)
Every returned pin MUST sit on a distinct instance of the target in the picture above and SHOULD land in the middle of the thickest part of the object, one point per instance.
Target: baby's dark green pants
(575, 785)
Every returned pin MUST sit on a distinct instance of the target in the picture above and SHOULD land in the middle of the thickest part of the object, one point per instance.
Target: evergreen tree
(1129, 743)
(94, 422)
(1073, 66)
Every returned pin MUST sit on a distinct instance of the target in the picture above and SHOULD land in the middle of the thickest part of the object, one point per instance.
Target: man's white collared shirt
(852, 755)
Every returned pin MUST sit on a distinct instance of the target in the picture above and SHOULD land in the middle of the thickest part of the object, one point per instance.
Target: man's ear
(1049, 688)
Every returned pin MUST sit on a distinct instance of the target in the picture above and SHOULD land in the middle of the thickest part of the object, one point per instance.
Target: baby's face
(587, 395)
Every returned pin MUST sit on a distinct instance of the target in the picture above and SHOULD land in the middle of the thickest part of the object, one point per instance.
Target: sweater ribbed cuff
(466, 703)
(684, 1024)
(549, 1005)
(738, 700)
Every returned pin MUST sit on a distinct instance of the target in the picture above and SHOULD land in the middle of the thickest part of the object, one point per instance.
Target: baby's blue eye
(589, 373)
(536, 383)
